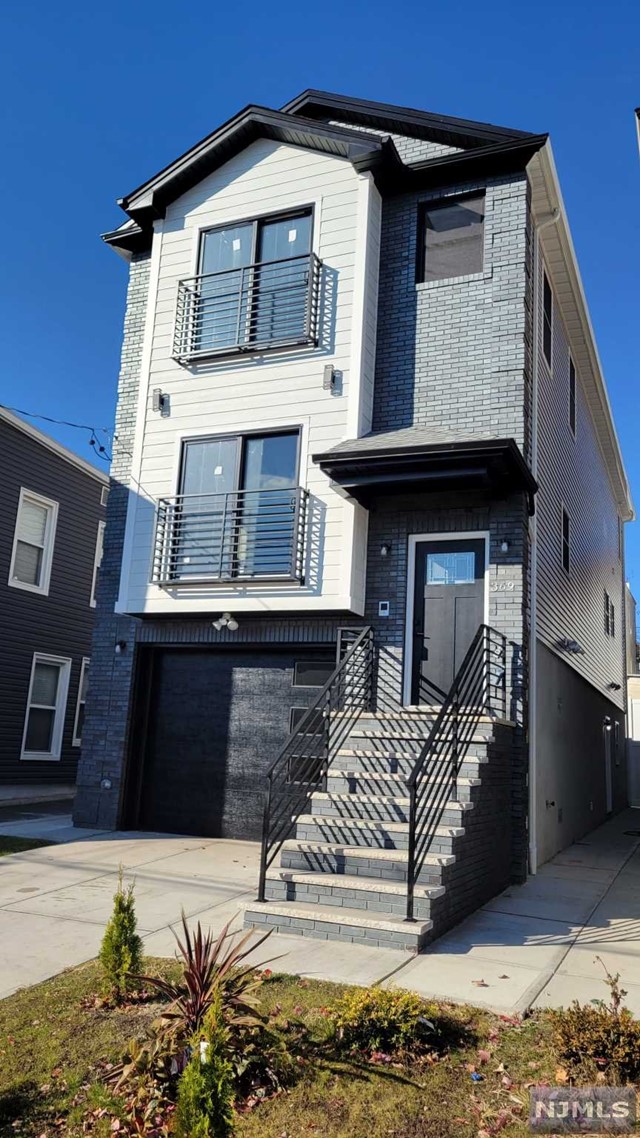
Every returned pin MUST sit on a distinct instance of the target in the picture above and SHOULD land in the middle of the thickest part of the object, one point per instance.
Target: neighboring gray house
(361, 425)
(51, 529)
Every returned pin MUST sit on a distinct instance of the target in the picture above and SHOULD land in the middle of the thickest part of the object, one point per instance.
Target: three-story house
(364, 554)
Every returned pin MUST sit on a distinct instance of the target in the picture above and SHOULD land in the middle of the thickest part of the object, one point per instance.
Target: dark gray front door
(448, 608)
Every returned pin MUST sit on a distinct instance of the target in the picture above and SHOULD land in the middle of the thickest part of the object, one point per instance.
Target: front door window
(448, 609)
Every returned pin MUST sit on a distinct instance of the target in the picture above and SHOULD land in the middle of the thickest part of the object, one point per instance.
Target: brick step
(405, 744)
(377, 807)
(397, 762)
(371, 895)
(369, 832)
(347, 781)
(326, 922)
(361, 861)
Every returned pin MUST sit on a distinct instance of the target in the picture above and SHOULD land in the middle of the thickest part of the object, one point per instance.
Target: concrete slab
(563, 989)
(466, 979)
(526, 942)
(35, 948)
(548, 898)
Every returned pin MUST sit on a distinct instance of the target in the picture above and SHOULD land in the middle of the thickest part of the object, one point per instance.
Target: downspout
(533, 539)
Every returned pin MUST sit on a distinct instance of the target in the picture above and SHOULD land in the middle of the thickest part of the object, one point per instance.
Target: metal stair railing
(303, 763)
(479, 687)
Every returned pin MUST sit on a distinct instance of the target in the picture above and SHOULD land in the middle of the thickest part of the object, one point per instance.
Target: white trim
(47, 549)
(413, 540)
(104, 495)
(77, 739)
(97, 561)
(361, 271)
(135, 470)
(64, 663)
(51, 444)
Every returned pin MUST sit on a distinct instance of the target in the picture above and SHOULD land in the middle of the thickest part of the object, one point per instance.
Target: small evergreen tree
(121, 949)
(206, 1090)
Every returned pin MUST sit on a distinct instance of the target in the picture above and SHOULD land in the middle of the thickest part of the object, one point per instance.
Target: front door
(448, 609)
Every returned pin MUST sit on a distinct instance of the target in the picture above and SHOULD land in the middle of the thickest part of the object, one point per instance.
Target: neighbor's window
(33, 542)
(609, 615)
(572, 396)
(46, 705)
(566, 541)
(82, 699)
(547, 318)
(97, 562)
(453, 240)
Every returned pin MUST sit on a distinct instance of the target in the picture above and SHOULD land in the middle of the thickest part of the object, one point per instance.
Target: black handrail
(479, 686)
(303, 763)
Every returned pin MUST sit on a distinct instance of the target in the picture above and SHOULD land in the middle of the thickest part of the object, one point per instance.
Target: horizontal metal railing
(266, 305)
(303, 763)
(479, 687)
(243, 534)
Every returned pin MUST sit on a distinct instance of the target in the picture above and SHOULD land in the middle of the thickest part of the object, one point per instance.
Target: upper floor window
(609, 615)
(257, 288)
(46, 706)
(566, 541)
(572, 396)
(33, 543)
(547, 319)
(453, 238)
(97, 562)
(240, 512)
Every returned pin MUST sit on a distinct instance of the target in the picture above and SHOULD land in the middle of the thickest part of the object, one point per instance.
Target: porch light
(226, 621)
(504, 545)
(385, 549)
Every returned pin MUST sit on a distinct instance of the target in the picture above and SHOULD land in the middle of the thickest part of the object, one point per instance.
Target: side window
(97, 562)
(82, 699)
(547, 319)
(33, 543)
(566, 541)
(452, 238)
(572, 397)
(46, 706)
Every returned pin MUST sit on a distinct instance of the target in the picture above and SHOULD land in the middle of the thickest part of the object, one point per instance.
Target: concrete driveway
(533, 945)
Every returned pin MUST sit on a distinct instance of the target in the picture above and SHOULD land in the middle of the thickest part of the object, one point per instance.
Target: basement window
(452, 241)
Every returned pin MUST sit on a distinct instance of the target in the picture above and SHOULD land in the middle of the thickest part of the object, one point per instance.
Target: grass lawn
(10, 845)
(53, 1040)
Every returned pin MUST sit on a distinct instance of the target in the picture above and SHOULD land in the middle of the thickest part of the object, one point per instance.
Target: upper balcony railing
(243, 535)
(258, 307)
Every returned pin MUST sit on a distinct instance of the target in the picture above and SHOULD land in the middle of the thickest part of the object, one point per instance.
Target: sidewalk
(533, 945)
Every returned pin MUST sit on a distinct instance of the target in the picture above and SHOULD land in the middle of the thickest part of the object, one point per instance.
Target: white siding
(283, 389)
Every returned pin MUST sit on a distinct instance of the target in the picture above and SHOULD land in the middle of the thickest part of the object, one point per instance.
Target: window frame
(52, 507)
(421, 251)
(98, 556)
(565, 542)
(62, 694)
(573, 397)
(104, 495)
(257, 432)
(84, 666)
(547, 321)
(306, 210)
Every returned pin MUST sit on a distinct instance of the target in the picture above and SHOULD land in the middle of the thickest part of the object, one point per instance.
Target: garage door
(216, 721)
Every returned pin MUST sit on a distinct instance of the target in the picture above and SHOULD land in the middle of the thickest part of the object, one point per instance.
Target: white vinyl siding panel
(280, 389)
(572, 474)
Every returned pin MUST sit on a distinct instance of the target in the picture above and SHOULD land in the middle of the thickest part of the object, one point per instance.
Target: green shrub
(599, 1038)
(204, 1107)
(382, 1019)
(121, 949)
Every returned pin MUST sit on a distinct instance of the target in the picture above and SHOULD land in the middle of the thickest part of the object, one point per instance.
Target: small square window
(566, 541)
(572, 397)
(33, 543)
(453, 238)
(547, 319)
(313, 673)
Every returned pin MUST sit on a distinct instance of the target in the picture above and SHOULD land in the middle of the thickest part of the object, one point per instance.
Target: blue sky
(96, 97)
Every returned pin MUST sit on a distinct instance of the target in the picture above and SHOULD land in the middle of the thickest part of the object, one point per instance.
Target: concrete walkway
(534, 945)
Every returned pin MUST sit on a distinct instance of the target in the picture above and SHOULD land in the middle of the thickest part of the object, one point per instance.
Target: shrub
(382, 1019)
(599, 1037)
(204, 1107)
(121, 949)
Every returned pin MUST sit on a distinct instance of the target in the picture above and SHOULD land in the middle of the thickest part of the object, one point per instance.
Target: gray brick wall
(107, 710)
(410, 149)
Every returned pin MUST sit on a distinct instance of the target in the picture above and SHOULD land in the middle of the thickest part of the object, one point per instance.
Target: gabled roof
(53, 445)
(483, 150)
(401, 120)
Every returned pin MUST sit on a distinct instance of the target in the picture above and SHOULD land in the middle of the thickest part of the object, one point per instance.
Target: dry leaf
(480, 983)
(484, 1056)
(562, 1075)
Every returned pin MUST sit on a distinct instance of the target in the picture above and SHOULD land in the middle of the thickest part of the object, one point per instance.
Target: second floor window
(452, 238)
(572, 396)
(609, 615)
(254, 285)
(33, 542)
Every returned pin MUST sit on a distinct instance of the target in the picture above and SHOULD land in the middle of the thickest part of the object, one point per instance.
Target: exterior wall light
(571, 646)
(226, 621)
(385, 549)
(614, 686)
(505, 545)
(121, 646)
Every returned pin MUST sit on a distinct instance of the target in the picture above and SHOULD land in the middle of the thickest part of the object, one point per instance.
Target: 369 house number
(502, 586)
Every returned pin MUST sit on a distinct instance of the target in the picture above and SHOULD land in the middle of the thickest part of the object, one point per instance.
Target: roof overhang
(557, 247)
(495, 466)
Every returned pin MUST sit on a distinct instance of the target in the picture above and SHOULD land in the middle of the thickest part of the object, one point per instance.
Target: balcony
(256, 308)
(242, 536)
